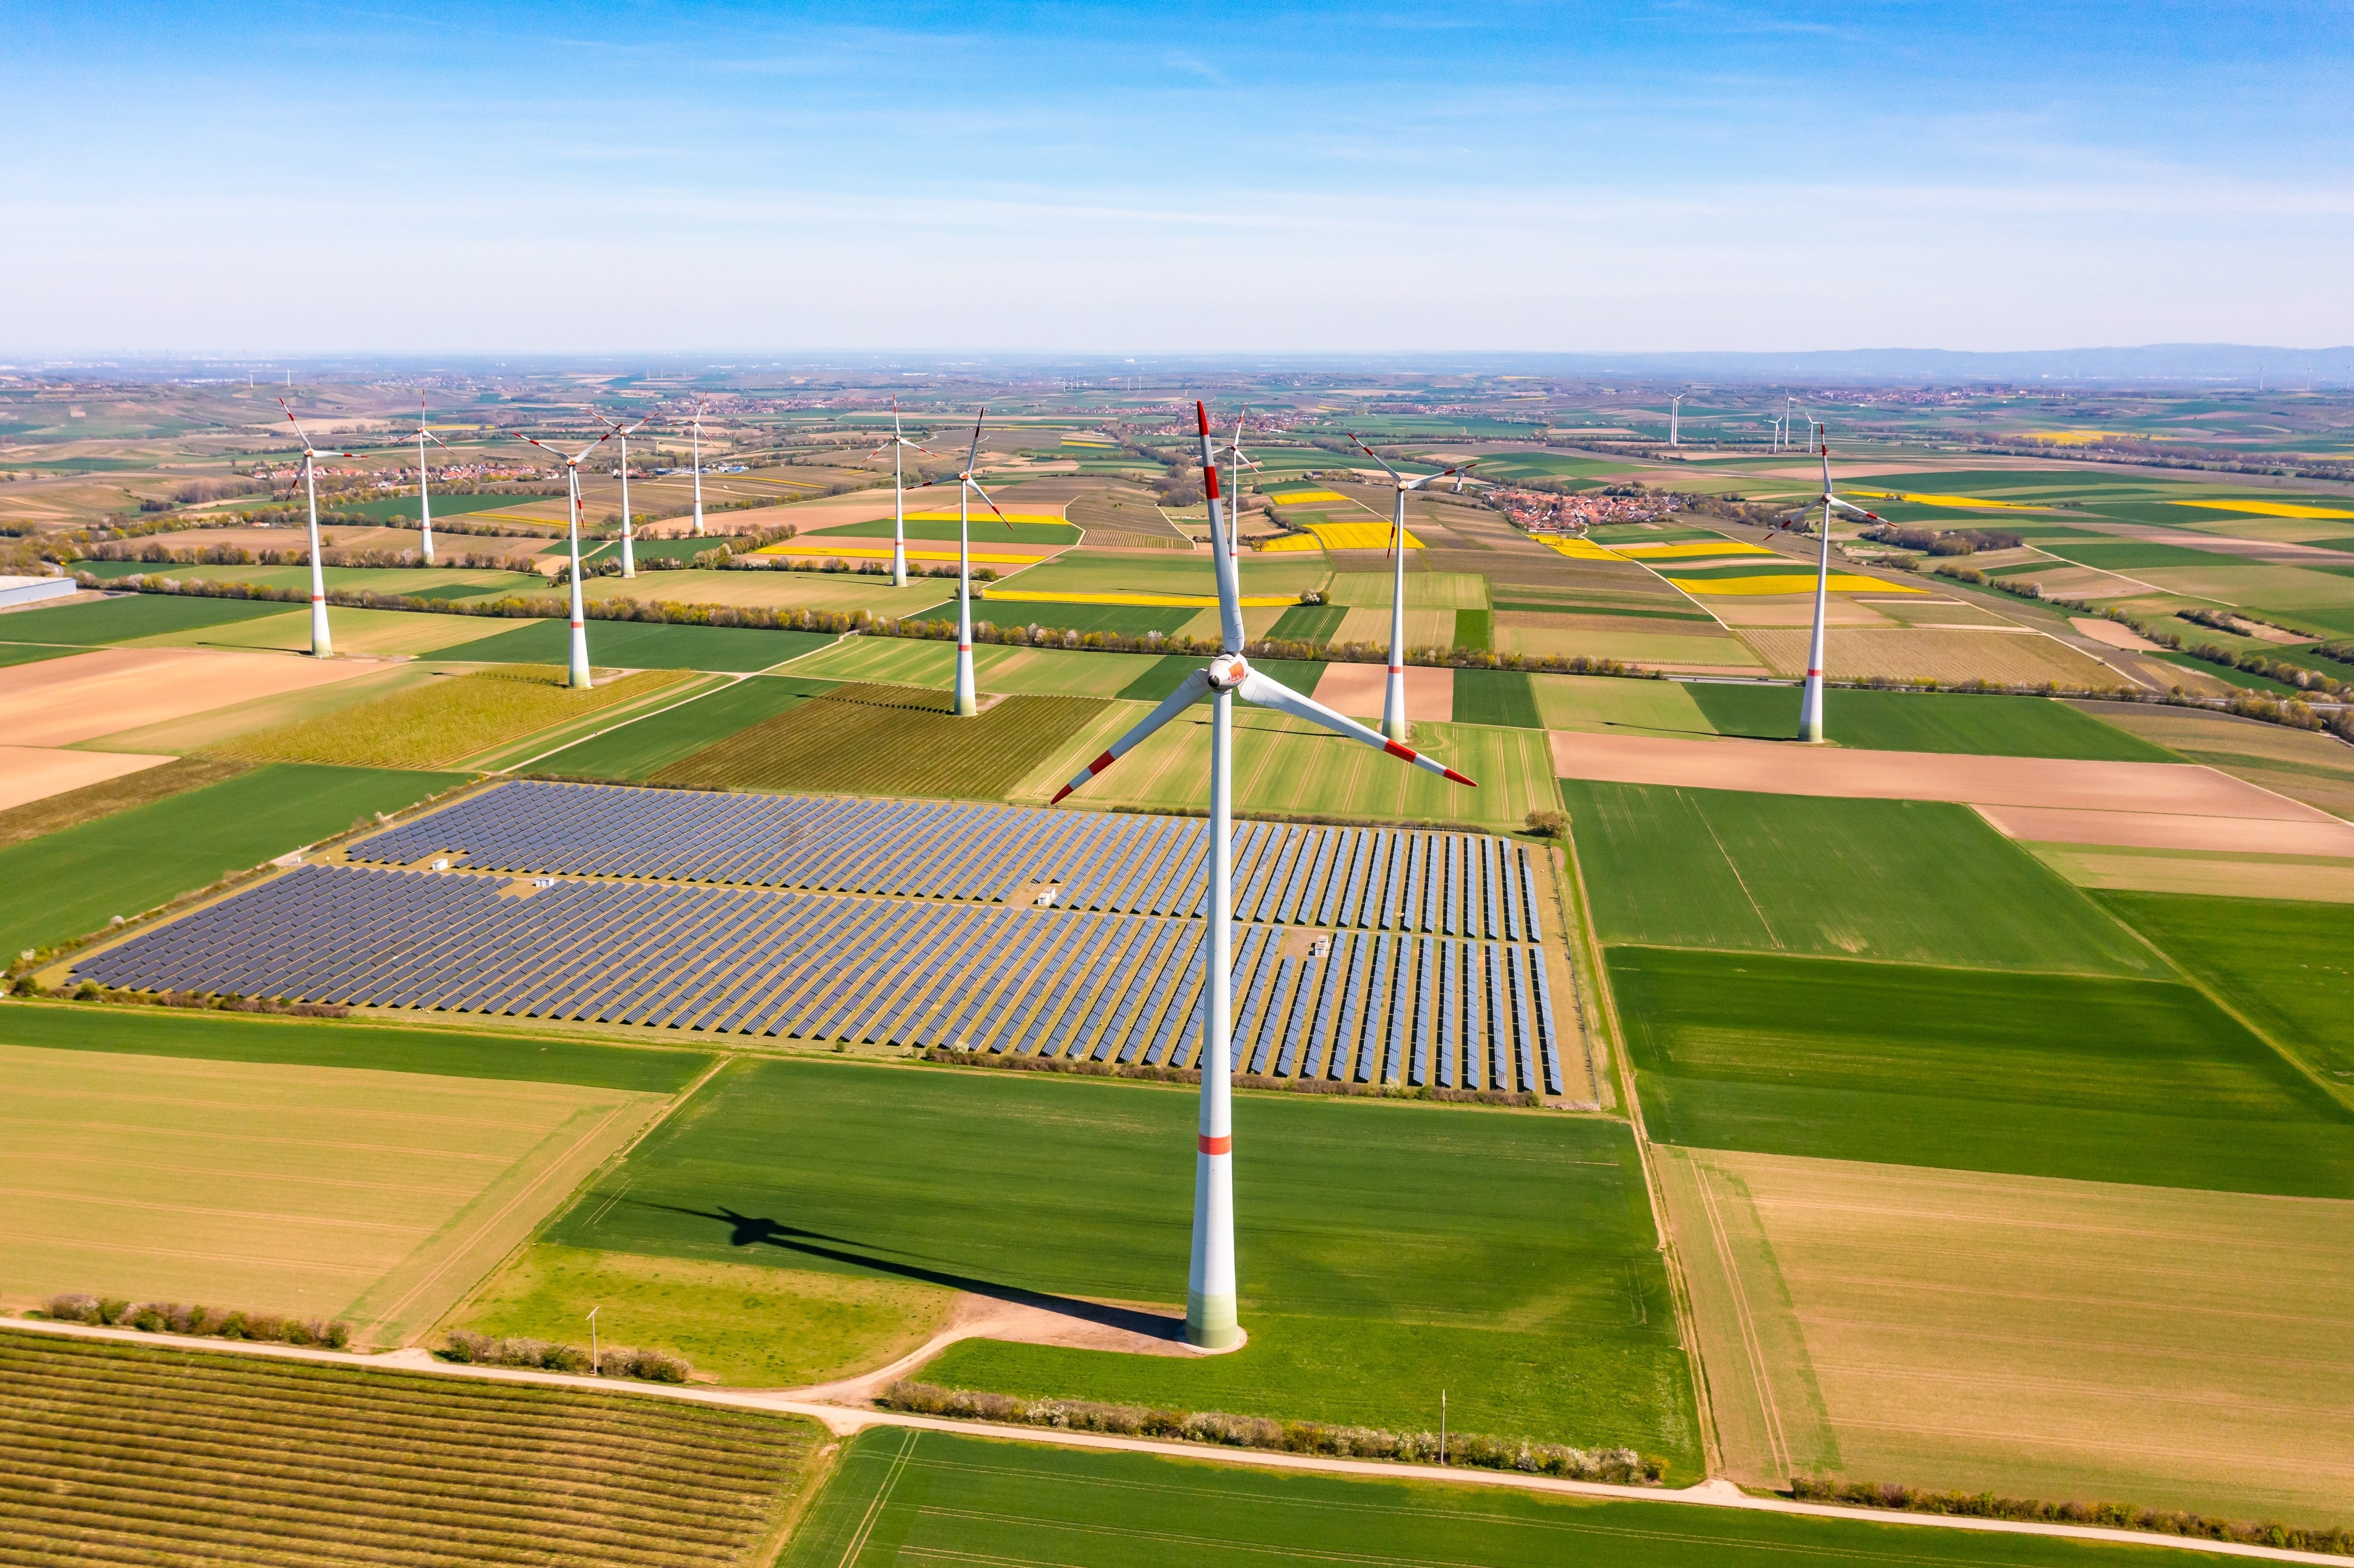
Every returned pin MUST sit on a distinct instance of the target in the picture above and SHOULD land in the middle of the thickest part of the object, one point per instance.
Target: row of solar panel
(1374, 1008)
(1472, 884)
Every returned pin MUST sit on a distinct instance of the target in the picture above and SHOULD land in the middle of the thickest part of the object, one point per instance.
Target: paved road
(843, 1420)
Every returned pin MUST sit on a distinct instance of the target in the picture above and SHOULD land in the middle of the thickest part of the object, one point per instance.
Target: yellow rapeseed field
(1582, 550)
(2266, 508)
(1963, 501)
(1294, 542)
(1358, 535)
(866, 550)
(984, 515)
(1308, 497)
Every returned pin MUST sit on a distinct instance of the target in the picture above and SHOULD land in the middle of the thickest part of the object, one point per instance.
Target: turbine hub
(1228, 670)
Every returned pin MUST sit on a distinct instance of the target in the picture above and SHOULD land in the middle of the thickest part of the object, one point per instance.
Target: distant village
(1540, 512)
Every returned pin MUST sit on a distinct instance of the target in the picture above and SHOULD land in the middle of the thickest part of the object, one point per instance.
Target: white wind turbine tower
(1675, 411)
(1393, 690)
(578, 679)
(424, 497)
(1211, 1318)
(1810, 705)
(322, 645)
(899, 446)
(629, 534)
(968, 702)
(694, 423)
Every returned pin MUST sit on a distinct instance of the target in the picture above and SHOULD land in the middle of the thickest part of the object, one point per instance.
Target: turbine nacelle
(1227, 672)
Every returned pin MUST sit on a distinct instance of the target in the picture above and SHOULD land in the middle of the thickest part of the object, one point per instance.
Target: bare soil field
(2111, 633)
(2307, 878)
(377, 1197)
(2037, 1337)
(1940, 612)
(1944, 653)
(518, 551)
(1792, 609)
(2304, 766)
(2158, 830)
(36, 772)
(1787, 768)
(1519, 632)
(60, 700)
(1357, 690)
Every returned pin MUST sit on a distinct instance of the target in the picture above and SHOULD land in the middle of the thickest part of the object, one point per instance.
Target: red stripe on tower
(1209, 1145)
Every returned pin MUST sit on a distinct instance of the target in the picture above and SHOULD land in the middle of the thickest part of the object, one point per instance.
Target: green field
(30, 654)
(1128, 619)
(1910, 721)
(1309, 623)
(71, 807)
(73, 882)
(1911, 882)
(1288, 766)
(1475, 629)
(1385, 1250)
(641, 645)
(2286, 966)
(409, 507)
(287, 1463)
(2098, 1080)
(986, 530)
(443, 723)
(894, 740)
(741, 1323)
(105, 620)
(905, 1497)
(1496, 696)
(642, 747)
(518, 1056)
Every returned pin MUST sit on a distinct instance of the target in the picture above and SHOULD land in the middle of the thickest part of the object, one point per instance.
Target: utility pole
(595, 1369)
(1442, 1426)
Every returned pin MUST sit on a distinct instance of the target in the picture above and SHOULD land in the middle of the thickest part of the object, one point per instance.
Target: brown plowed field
(1356, 690)
(60, 700)
(2158, 830)
(1947, 654)
(1786, 767)
(36, 772)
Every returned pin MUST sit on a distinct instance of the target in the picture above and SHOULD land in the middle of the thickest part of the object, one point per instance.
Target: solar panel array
(1451, 884)
(1377, 1007)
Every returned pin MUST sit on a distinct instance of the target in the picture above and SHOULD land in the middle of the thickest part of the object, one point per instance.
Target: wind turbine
(322, 645)
(1236, 463)
(1393, 690)
(424, 499)
(578, 678)
(899, 445)
(1810, 705)
(1211, 1320)
(1675, 408)
(694, 423)
(967, 703)
(629, 556)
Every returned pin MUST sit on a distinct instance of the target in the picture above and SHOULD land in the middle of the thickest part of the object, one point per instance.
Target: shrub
(74, 1308)
(1623, 1465)
(111, 1309)
(2334, 1539)
(1548, 824)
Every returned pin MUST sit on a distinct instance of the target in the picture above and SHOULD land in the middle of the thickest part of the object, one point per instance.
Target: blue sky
(287, 179)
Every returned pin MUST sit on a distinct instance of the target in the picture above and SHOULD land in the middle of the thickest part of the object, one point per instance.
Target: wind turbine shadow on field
(747, 1229)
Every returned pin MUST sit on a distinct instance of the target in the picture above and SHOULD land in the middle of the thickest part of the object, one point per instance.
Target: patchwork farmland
(1800, 1117)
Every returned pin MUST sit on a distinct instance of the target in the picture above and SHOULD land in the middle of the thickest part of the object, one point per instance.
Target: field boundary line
(1670, 1258)
(843, 1419)
(732, 678)
(387, 1317)
(1751, 1345)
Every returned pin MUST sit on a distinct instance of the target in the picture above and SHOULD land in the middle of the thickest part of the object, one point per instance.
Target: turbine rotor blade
(977, 489)
(1222, 554)
(974, 456)
(1194, 687)
(1376, 457)
(1262, 692)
